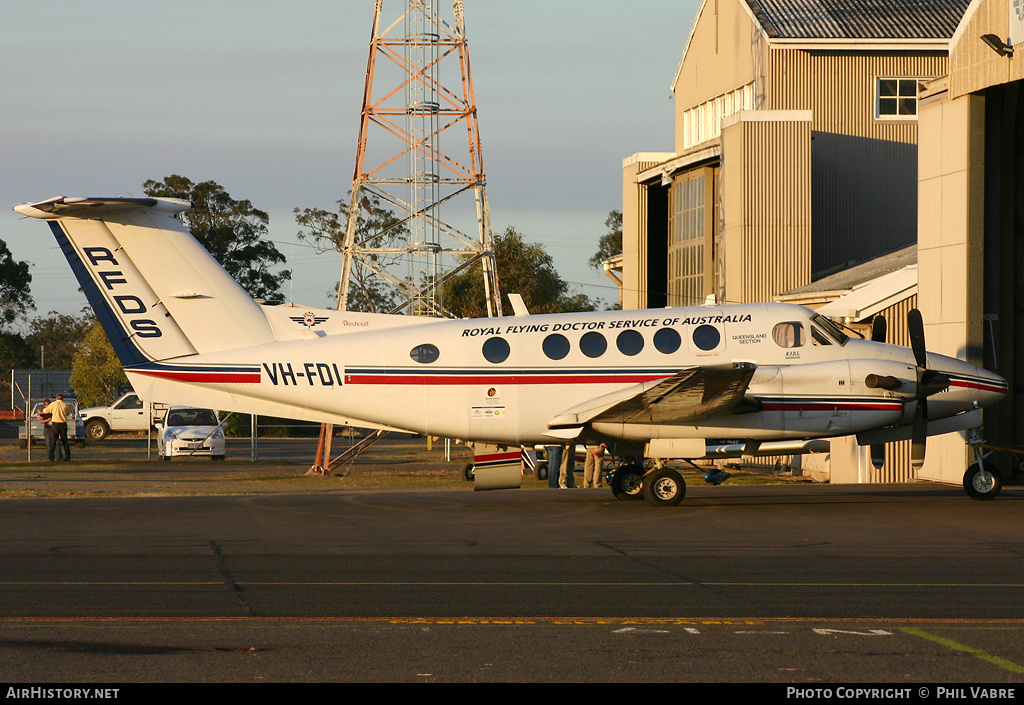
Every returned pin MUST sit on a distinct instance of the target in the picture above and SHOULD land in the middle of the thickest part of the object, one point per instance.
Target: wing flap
(689, 395)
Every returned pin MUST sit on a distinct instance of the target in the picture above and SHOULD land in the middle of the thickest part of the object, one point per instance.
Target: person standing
(554, 456)
(592, 465)
(567, 478)
(44, 419)
(59, 413)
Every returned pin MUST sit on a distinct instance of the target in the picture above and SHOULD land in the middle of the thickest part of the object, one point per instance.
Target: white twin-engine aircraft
(700, 382)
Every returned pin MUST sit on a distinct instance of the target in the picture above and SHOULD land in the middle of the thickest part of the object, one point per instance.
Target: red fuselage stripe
(208, 377)
(482, 379)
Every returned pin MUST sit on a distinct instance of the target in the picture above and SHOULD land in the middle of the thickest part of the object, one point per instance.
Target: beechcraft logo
(309, 319)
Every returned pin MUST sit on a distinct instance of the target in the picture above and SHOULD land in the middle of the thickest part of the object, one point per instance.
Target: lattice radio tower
(419, 147)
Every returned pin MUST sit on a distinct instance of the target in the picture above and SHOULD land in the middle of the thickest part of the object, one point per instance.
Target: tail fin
(157, 293)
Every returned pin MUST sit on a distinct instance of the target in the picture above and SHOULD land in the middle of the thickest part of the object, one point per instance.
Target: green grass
(110, 471)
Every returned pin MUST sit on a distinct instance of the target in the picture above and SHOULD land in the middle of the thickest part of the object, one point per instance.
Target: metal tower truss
(419, 148)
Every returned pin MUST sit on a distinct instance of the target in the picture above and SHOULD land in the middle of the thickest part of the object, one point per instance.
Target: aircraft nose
(991, 387)
(970, 386)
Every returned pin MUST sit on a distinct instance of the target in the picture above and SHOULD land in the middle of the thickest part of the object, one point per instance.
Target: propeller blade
(878, 455)
(879, 329)
(916, 325)
(919, 438)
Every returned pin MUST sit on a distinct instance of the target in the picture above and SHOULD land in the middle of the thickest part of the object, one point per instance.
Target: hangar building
(796, 159)
(971, 215)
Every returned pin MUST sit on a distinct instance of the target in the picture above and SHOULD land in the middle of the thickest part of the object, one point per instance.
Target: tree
(96, 373)
(232, 231)
(610, 243)
(325, 230)
(55, 337)
(524, 268)
(15, 280)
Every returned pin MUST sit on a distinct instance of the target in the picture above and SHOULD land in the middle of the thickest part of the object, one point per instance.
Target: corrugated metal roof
(849, 279)
(859, 19)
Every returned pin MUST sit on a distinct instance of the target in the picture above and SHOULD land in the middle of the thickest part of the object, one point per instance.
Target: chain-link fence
(186, 432)
(131, 429)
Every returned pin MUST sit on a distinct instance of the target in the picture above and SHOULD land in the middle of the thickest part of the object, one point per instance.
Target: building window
(686, 243)
(704, 122)
(896, 98)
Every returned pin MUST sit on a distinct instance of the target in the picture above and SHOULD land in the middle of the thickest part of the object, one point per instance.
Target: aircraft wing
(689, 395)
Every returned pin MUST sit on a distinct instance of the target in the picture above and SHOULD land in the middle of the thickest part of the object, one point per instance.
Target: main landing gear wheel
(542, 470)
(469, 472)
(627, 482)
(664, 487)
(982, 483)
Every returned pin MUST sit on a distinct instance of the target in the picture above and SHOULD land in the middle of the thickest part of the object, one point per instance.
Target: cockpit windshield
(830, 328)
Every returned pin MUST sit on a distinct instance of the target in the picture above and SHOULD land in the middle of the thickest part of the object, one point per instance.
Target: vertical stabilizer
(155, 290)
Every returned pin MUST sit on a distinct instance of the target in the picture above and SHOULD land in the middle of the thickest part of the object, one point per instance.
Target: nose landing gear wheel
(982, 483)
(664, 487)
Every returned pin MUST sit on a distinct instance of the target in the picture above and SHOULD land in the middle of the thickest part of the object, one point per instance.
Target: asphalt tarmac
(904, 584)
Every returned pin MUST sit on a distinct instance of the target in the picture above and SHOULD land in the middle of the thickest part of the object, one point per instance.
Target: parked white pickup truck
(129, 413)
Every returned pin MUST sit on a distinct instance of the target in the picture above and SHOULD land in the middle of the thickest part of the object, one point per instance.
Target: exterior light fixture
(997, 44)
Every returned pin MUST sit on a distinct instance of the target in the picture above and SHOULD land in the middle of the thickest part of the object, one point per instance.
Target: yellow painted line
(951, 622)
(364, 583)
(1002, 663)
(911, 585)
(357, 583)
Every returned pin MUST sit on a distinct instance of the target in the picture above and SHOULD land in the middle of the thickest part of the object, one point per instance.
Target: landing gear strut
(982, 480)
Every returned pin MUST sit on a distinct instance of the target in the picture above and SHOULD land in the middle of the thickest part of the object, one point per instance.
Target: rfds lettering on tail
(709, 381)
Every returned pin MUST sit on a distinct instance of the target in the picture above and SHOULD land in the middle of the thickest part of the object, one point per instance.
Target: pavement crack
(229, 580)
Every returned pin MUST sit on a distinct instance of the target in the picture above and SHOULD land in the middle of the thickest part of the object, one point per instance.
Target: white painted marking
(634, 630)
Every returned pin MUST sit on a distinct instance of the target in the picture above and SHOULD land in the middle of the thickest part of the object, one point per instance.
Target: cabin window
(496, 350)
(425, 353)
(667, 340)
(789, 334)
(593, 344)
(706, 337)
(556, 346)
(629, 342)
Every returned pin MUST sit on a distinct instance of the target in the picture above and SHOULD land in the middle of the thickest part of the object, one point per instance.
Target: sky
(264, 98)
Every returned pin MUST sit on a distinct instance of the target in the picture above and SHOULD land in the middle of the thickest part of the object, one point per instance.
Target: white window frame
(879, 97)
